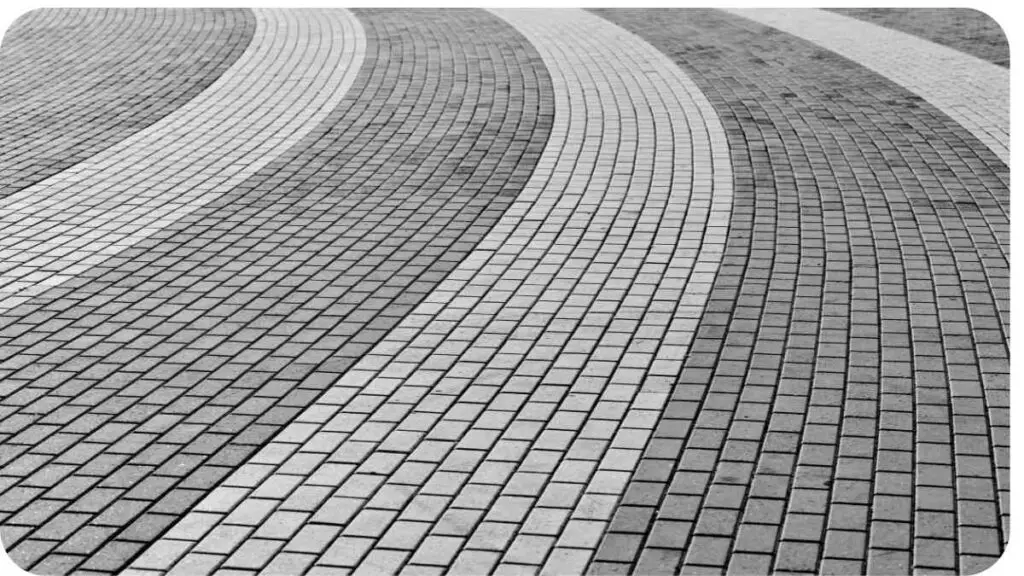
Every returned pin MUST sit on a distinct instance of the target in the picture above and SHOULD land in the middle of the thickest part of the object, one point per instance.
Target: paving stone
(161, 58)
(612, 291)
(477, 172)
(847, 498)
(382, 562)
(132, 222)
(970, 31)
(987, 123)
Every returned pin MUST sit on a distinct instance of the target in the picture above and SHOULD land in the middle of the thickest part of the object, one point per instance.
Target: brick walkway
(428, 291)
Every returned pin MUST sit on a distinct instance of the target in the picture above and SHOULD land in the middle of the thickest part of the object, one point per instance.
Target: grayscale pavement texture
(474, 291)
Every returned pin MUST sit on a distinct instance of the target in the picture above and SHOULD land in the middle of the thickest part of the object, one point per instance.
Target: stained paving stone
(547, 292)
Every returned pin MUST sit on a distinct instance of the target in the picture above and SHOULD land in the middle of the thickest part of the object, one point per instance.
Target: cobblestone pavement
(969, 31)
(512, 291)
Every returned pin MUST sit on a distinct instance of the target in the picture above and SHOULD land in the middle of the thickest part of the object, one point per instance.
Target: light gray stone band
(295, 71)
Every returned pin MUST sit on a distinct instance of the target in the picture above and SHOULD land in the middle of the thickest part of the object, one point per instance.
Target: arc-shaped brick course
(504, 292)
(979, 98)
(824, 418)
(966, 29)
(209, 376)
(266, 102)
(78, 81)
(410, 449)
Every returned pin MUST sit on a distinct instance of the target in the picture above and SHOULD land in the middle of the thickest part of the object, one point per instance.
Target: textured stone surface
(978, 98)
(824, 404)
(466, 424)
(967, 30)
(202, 341)
(77, 81)
(520, 292)
(261, 106)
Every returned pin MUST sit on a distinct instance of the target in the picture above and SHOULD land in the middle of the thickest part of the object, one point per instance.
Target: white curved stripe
(973, 92)
(634, 183)
(296, 69)
(695, 151)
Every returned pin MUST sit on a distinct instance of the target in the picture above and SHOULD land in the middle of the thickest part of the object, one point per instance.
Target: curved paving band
(268, 100)
(238, 315)
(525, 291)
(965, 29)
(78, 81)
(978, 99)
(409, 442)
(843, 407)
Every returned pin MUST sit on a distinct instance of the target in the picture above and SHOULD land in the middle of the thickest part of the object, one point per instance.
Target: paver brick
(308, 337)
(619, 291)
(121, 42)
(833, 369)
(970, 31)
